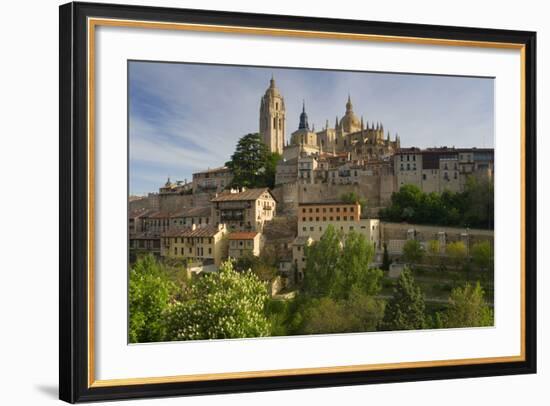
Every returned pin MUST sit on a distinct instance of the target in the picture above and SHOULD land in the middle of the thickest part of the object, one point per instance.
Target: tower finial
(272, 81)
(349, 106)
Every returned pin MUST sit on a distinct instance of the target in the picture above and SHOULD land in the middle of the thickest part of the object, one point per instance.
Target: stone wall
(391, 232)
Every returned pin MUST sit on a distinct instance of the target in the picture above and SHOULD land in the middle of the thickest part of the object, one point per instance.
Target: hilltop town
(342, 177)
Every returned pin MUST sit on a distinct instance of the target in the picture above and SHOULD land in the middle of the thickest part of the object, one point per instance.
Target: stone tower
(272, 118)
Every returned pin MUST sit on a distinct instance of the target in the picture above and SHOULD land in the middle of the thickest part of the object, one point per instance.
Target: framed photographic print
(257, 202)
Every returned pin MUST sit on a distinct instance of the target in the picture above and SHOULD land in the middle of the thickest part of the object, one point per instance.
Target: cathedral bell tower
(272, 118)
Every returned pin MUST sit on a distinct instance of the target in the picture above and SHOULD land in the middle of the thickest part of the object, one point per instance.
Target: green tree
(456, 251)
(322, 263)
(263, 267)
(359, 313)
(386, 262)
(433, 250)
(148, 295)
(413, 252)
(482, 255)
(252, 165)
(353, 273)
(468, 308)
(226, 304)
(406, 309)
(474, 207)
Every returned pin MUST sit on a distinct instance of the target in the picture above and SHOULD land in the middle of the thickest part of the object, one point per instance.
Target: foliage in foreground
(225, 304)
(149, 294)
(406, 309)
(467, 308)
(338, 266)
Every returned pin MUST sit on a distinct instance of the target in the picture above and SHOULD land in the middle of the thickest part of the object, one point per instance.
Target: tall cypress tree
(406, 310)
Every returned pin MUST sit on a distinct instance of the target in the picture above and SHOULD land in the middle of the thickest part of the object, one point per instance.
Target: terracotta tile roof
(243, 235)
(158, 215)
(208, 231)
(139, 213)
(250, 194)
(144, 236)
(204, 211)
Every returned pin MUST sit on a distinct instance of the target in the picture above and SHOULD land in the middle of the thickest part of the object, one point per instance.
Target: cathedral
(362, 142)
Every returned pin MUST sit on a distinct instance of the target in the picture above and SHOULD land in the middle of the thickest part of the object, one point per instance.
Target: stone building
(212, 180)
(244, 211)
(206, 245)
(298, 254)
(440, 169)
(194, 215)
(314, 219)
(141, 243)
(242, 243)
(272, 118)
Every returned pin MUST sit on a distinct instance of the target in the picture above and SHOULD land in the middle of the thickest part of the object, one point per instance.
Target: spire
(304, 125)
(336, 123)
(349, 106)
(272, 82)
(388, 136)
(362, 124)
(326, 125)
(313, 127)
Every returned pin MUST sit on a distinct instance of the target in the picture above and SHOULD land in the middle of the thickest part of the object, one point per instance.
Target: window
(408, 167)
(351, 209)
(331, 218)
(414, 157)
(311, 219)
(304, 228)
(338, 210)
(351, 227)
(304, 219)
(345, 218)
(190, 250)
(330, 210)
(316, 210)
(401, 167)
(311, 229)
(303, 210)
(337, 218)
(324, 219)
(423, 176)
(408, 157)
(316, 218)
(324, 209)
(311, 210)
(209, 251)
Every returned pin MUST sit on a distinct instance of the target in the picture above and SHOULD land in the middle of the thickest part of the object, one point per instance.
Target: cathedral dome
(350, 122)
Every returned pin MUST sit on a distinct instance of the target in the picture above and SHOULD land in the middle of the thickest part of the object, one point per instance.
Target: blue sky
(188, 117)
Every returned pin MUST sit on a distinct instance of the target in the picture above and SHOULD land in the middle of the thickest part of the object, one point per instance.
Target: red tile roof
(243, 235)
(208, 231)
(250, 194)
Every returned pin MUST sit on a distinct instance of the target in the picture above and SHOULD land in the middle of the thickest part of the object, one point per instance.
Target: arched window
(275, 122)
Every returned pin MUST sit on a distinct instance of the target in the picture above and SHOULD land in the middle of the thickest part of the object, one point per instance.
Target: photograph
(278, 201)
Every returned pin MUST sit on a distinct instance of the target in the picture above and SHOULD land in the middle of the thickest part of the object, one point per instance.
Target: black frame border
(73, 202)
